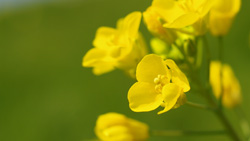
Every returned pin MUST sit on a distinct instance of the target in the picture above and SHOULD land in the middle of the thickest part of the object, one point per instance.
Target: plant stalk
(186, 133)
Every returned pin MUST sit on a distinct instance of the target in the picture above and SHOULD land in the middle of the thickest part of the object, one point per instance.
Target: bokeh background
(45, 93)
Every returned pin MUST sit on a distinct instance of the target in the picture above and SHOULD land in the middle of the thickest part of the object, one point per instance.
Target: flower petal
(149, 68)
(215, 79)
(183, 21)
(178, 77)
(93, 56)
(142, 97)
(169, 10)
(103, 37)
(130, 24)
(171, 92)
(138, 129)
(98, 59)
(104, 68)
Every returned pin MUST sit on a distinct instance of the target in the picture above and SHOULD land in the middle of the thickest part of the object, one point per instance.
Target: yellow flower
(154, 24)
(231, 86)
(160, 83)
(182, 13)
(222, 15)
(121, 48)
(117, 127)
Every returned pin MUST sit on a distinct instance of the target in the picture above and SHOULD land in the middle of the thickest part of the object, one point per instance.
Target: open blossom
(231, 86)
(222, 15)
(117, 127)
(120, 48)
(179, 14)
(160, 83)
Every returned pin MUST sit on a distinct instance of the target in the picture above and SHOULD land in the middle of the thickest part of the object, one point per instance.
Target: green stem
(205, 91)
(181, 49)
(243, 122)
(185, 133)
(208, 59)
(221, 46)
(198, 105)
(219, 113)
(227, 125)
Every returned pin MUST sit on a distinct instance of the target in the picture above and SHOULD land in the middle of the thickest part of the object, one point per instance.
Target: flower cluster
(121, 48)
(164, 77)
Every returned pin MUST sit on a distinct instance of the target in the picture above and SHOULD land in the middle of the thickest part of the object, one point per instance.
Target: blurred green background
(45, 93)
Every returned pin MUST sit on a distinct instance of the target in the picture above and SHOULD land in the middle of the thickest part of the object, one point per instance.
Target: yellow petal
(171, 92)
(117, 127)
(103, 37)
(169, 10)
(130, 24)
(222, 15)
(149, 68)
(139, 130)
(93, 56)
(117, 133)
(110, 119)
(206, 6)
(231, 86)
(142, 97)
(219, 23)
(98, 59)
(215, 79)
(154, 24)
(178, 77)
(104, 68)
(183, 21)
(228, 7)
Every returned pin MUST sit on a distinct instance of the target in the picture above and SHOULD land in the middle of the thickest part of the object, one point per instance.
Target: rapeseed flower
(120, 48)
(160, 83)
(117, 127)
(179, 14)
(231, 96)
(222, 15)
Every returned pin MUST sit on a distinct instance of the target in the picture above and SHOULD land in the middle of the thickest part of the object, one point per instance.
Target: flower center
(160, 81)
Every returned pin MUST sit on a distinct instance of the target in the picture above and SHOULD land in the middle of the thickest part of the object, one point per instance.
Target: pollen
(160, 81)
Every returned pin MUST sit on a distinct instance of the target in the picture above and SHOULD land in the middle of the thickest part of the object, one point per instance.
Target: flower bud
(117, 127)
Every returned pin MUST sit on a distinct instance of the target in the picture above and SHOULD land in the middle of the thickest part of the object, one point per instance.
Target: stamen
(160, 81)
(157, 80)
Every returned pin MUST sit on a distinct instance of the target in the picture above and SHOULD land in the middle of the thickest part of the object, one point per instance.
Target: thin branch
(186, 133)
(198, 106)
(221, 46)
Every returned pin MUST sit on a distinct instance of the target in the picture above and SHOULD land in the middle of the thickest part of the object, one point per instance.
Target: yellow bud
(117, 127)
(222, 15)
(231, 86)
